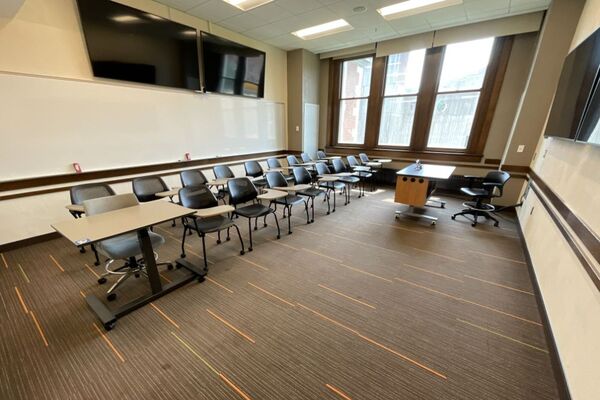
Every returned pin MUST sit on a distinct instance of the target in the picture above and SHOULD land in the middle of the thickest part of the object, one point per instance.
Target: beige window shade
(494, 28)
(349, 52)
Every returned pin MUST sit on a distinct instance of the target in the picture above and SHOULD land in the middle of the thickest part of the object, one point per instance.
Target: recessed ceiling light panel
(328, 28)
(413, 7)
(246, 5)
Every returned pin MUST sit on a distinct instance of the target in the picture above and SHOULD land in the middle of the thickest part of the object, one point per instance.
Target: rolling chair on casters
(81, 193)
(276, 179)
(303, 177)
(492, 187)
(192, 177)
(201, 198)
(330, 187)
(242, 190)
(274, 163)
(123, 247)
(254, 170)
(145, 189)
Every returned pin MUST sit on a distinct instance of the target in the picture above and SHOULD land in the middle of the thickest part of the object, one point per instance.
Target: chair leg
(312, 207)
(240, 237)
(289, 219)
(333, 200)
(328, 204)
(250, 233)
(277, 223)
(306, 208)
(204, 251)
(228, 238)
(183, 241)
(97, 258)
(219, 237)
(255, 223)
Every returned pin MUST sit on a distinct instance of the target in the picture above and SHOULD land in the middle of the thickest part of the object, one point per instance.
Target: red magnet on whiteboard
(188, 157)
(77, 167)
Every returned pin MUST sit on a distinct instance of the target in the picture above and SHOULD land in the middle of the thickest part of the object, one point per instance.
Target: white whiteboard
(46, 124)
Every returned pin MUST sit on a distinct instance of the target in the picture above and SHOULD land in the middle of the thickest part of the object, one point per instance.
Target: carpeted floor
(357, 305)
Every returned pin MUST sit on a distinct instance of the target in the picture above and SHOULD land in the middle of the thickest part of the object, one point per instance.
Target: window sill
(406, 154)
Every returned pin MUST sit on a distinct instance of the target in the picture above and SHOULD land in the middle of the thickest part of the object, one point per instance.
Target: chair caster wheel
(170, 267)
(137, 275)
(453, 217)
(219, 241)
(183, 255)
(473, 225)
(433, 222)
(278, 236)
(328, 212)
(228, 239)
(496, 224)
(111, 297)
(109, 325)
(242, 252)
(250, 249)
(201, 279)
(96, 263)
(102, 280)
(265, 225)
(82, 250)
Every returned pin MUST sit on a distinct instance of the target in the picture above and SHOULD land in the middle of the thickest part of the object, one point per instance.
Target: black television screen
(574, 88)
(232, 68)
(128, 44)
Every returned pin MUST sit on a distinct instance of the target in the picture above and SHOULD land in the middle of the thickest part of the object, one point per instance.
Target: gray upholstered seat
(125, 246)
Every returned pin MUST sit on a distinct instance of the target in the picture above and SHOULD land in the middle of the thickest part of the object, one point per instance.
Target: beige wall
(572, 171)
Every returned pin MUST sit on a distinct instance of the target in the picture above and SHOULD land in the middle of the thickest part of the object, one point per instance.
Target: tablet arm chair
(274, 163)
(201, 198)
(339, 167)
(254, 170)
(306, 158)
(222, 172)
(321, 155)
(124, 247)
(364, 173)
(192, 177)
(330, 187)
(81, 193)
(145, 189)
(292, 160)
(303, 177)
(491, 187)
(276, 179)
(242, 190)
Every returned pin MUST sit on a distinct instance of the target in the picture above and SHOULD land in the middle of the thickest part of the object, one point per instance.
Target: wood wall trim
(397, 154)
(557, 368)
(492, 161)
(29, 183)
(32, 183)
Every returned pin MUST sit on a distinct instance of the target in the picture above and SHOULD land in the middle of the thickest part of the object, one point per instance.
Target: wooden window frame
(426, 97)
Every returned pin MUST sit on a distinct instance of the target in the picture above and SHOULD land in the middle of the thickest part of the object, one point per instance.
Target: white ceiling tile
(299, 6)
(243, 22)
(265, 32)
(366, 19)
(271, 12)
(519, 6)
(479, 8)
(215, 10)
(183, 5)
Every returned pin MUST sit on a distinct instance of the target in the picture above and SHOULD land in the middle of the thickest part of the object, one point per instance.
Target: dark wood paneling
(515, 168)
(406, 154)
(492, 161)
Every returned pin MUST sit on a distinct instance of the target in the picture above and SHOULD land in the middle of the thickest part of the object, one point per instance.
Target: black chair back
(273, 163)
(292, 160)
(364, 157)
(496, 179)
(222, 171)
(197, 197)
(302, 176)
(241, 190)
(352, 161)
(253, 169)
(276, 179)
(321, 155)
(192, 177)
(338, 165)
(322, 169)
(80, 193)
(306, 158)
(145, 188)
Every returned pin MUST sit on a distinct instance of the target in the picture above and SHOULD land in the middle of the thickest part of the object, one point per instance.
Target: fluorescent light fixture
(125, 18)
(328, 28)
(246, 5)
(413, 7)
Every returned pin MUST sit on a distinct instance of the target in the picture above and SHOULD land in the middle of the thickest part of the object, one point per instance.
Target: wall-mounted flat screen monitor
(589, 131)
(232, 68)
(131, 45)
(574, 88)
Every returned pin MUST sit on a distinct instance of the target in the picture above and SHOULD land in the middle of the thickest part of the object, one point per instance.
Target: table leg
(149, 262)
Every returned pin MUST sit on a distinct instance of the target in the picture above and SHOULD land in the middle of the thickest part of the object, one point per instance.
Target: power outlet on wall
(521, 148)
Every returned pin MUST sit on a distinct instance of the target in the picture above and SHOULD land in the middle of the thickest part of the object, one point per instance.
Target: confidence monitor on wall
(131, 45)
(575, 87)
(232, 68)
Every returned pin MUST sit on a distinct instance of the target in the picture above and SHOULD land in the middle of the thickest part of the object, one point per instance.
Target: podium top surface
(429, 171)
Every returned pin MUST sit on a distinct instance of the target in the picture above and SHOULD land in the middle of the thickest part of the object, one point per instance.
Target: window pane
(356, 77)
(403, 73)
(452, 120)
(465, 65)
(353, 117)
(397, 116)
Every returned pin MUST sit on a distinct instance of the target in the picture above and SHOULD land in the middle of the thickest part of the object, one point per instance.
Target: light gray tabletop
(114, 223)
(429, 171)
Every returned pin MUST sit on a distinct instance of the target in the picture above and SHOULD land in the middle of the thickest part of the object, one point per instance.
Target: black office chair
(192, 177)
(242, 190)
(276, 179)
(274, 163)
(339, 167)
(292, 160)
(364, 158)
(306, 158)
(364, 176)
(222, 172)
(81, 193)
(145, 189)
(198, 198)
(254, 170)
(303, 177)
(492, 187)
(321, 155)
(330, 187)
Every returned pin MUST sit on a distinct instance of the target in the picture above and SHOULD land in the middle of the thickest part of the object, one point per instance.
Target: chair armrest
(213, 211)
(271, 194)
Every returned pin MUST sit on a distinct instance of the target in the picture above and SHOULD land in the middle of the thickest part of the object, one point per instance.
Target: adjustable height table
(416, 183)
(138, 219)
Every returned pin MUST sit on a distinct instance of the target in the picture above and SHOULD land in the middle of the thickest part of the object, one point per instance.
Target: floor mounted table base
(412, 212)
